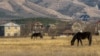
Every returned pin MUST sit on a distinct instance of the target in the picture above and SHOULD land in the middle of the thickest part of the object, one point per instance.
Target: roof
(98, 22)
(9, 24)
(38, 23)
(2, 22)
(68, 31)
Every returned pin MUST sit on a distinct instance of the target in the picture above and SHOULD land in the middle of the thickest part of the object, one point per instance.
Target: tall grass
(48, 47)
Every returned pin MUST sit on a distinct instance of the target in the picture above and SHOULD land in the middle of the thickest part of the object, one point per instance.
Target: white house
(10, 29)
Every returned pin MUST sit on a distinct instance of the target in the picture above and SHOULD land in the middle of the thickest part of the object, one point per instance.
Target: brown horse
(81, 35)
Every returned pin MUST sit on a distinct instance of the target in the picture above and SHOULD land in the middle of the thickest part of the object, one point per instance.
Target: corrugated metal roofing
(9, 24)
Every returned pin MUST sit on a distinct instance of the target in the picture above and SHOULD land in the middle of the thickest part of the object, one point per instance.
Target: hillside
(71, 7)
(44, 21)
(63, 9)
(25, 9)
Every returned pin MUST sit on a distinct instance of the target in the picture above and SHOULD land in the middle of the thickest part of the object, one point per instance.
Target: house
(37, 25)
(68, 32)
(97, 28)
(77, 27)
(9, 29)
(28, 28)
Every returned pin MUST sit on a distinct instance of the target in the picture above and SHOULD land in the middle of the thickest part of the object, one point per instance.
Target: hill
(63, 9)
(43, 20)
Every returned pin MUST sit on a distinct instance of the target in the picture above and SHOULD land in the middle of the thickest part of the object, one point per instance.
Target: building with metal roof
(9, 29)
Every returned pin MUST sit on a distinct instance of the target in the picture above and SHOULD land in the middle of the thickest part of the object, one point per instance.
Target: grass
(47, 47)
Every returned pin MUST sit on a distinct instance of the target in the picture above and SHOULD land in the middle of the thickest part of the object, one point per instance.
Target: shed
(9, 29)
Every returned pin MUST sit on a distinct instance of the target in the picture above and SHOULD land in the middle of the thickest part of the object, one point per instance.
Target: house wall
(99, 28)
(12, 30)
(77, 27)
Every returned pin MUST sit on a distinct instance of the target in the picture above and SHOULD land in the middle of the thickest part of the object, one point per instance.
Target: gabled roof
(38, 23)
(68, 31)
(9, 24)
(98, 22)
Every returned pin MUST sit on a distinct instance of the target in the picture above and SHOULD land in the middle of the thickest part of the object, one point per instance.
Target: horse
(35, 35)
(81, 35)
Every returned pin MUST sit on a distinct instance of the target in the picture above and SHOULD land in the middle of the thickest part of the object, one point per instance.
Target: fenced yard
(48, 47)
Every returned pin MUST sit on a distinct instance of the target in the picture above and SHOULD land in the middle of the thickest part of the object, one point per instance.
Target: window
(15, 27)
(8, 34)
(15, 34)
(8, 27)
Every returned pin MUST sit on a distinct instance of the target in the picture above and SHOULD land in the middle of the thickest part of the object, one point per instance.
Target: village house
(31, 27)
(9, 29)
(73, 27)
(77, 27)
(37, 27)
(97, 28)
(67, 30)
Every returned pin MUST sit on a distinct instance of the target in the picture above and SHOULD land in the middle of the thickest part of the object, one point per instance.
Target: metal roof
(9, 24)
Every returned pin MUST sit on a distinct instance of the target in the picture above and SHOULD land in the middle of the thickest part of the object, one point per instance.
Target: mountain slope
(71, 7)
(25, 8)
(63, 9)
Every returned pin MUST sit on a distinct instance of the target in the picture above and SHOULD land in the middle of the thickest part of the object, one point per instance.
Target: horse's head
(73, 39)
(72, 43)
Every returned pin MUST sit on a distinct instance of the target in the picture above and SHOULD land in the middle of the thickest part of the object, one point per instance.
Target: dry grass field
(48, 47)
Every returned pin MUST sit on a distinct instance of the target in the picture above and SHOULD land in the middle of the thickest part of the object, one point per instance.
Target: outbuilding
(9, 29)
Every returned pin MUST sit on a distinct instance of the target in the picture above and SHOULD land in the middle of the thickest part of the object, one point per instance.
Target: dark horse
(81, 35)
(35, 35)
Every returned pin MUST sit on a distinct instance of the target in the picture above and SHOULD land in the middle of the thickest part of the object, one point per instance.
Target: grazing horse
(81, 35)
(35, 35)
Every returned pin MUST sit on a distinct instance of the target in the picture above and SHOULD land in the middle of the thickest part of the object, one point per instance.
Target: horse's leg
(52, 37)
(31, 37)
(35, 37)
(81, 42)
(90, 40)
(77, 42)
